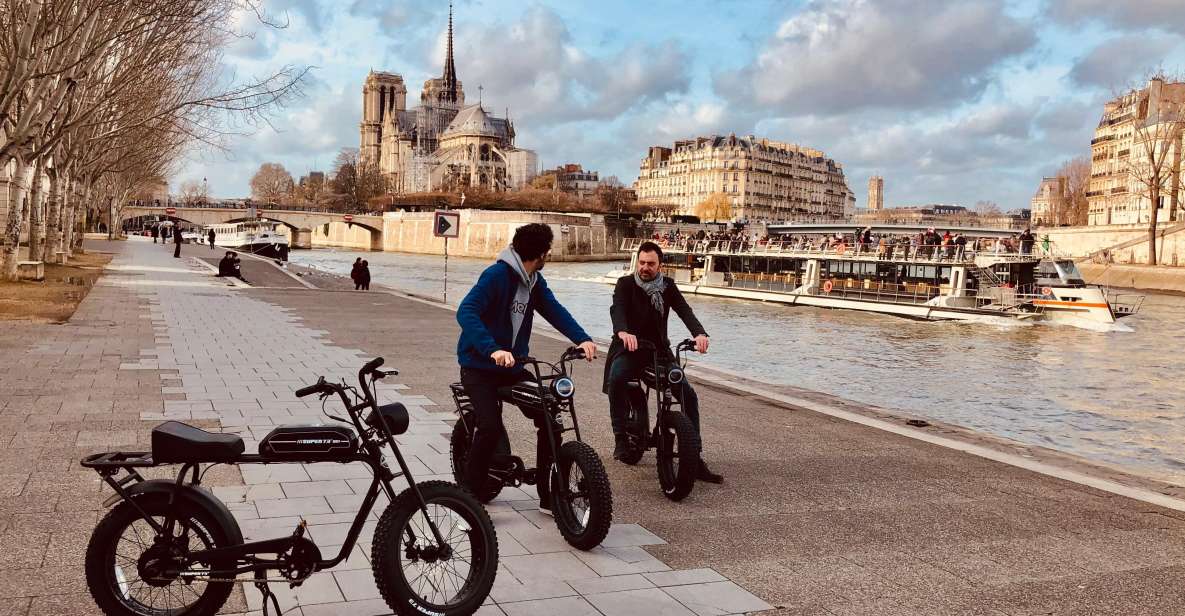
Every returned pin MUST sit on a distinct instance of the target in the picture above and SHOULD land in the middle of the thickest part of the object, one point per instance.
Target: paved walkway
(818, 516)
(238, 360)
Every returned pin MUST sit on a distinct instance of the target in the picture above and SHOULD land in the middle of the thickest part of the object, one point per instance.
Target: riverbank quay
(818, 515)
(1158, 278)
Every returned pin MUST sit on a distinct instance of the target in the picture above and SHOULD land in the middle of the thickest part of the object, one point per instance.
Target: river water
(1115, 396)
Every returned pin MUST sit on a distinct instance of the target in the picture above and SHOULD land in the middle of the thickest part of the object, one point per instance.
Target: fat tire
(99, 569)
(458, 450)
(387, 549)
(677, 484)
(638, 434)
(600, 496)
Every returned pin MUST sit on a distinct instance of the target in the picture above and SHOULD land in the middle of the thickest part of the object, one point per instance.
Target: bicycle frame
(108, 465)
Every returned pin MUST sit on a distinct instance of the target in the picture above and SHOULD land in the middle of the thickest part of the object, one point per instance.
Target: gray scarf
(522, 293)
(654, 289)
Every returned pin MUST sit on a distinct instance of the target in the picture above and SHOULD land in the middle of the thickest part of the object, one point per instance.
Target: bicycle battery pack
(308, 442)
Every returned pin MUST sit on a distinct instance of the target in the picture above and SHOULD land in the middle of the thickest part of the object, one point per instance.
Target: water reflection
(1114, 396)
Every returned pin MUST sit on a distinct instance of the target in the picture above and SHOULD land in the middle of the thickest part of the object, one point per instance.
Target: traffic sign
(170, 210)
(446, 224)
(348, 218)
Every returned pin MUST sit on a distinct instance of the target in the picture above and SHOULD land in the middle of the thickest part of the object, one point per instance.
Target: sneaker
(706, 474)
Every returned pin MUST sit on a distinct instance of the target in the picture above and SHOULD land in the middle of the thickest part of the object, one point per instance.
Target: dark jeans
(629, 366)
(490, 438)
(177, 250)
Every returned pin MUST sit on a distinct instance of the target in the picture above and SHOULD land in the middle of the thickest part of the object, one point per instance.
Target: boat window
(1069, 273)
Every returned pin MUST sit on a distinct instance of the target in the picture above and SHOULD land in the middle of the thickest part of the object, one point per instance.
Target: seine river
(1113, 396)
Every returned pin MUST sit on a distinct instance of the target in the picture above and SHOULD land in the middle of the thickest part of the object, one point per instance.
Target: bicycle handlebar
(311, 389)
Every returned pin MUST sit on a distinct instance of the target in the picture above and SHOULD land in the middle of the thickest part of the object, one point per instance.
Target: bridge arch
(344, 234)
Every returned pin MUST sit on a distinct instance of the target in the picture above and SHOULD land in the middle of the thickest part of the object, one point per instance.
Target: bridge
(300, 223)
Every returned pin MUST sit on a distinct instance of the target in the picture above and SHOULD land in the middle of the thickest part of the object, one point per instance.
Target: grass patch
(54, 299)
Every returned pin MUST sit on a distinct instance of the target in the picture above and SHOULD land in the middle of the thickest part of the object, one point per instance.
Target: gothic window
(485, 152)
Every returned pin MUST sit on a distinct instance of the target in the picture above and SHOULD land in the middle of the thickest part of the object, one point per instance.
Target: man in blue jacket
(495, 320)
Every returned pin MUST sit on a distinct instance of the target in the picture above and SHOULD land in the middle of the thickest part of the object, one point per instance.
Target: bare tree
(1073, 209)
(271, 183)
(717, 207)
(194, 192)
(1155, 134)
(987, 208)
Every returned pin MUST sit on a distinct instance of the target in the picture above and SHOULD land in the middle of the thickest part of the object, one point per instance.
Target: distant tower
(383, 94)
(876, 192)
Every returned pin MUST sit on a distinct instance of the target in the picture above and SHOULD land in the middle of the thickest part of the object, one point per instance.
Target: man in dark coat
(211, 235)
(177, 242)
(642, 302)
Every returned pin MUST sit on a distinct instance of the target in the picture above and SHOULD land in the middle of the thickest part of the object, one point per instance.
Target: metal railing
(869, 252)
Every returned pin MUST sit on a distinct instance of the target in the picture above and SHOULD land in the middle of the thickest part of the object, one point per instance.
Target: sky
(951, 101)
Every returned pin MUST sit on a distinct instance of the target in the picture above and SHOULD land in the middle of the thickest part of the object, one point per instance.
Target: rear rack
(119, 459)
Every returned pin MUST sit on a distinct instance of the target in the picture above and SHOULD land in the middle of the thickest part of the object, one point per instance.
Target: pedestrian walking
(356, 274)
(155, 233)
(365, 275)
(211, 235)
(176, 243)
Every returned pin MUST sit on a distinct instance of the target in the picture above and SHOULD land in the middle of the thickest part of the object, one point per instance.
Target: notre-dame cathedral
(442, 144)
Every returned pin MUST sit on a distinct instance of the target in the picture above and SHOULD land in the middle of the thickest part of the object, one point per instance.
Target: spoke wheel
(678, 455)
(581, 499)
(414, 574)
(130, 571)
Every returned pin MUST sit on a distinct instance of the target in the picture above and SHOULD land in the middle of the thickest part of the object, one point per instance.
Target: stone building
(765, 180)
(441, 144)
(1115, 194)
(876, 193)
(1050, 201)
(572, 178)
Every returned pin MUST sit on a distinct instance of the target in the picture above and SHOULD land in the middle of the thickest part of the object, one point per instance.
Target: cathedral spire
(450, 69)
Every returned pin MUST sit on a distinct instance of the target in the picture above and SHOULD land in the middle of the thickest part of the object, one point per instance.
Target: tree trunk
(1154, 193)
(12, 230)
(36, 217)
(53, 219)
(1175, 186)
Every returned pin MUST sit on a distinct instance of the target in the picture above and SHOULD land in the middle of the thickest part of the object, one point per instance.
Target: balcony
(1102, 139)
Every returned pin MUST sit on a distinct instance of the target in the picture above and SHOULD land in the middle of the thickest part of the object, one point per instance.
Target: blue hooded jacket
(487, 326)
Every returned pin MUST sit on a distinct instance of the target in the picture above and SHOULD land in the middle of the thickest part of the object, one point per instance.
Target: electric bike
(169, 547)
(674, 437)
(581, 500)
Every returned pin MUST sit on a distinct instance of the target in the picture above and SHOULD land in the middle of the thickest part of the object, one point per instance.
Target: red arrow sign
(170, 210)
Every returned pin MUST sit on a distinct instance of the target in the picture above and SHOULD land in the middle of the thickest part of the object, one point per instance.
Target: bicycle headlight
(675, 375)
(563, 387)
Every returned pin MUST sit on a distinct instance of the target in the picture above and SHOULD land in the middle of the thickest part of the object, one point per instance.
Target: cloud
(1166, 15)
(839, 55)
(533, 66)
(312, 12)
(1117, 62)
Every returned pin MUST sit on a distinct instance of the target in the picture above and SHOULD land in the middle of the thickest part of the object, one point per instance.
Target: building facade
(876, 193)
(1116, 194)
(442, 144)
(1050, 202)
(574, 179)
(765, 180)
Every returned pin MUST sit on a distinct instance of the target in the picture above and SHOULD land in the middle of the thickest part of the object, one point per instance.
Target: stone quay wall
(1081, 242)
(483, 234)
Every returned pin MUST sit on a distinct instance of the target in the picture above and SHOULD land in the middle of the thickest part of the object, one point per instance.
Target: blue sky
(952, 101)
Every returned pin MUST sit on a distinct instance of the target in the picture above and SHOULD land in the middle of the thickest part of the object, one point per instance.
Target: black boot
(706, 474)
(621, 445)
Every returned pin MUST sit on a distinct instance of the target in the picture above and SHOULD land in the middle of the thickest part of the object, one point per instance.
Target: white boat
(259, 237)
(926, 282)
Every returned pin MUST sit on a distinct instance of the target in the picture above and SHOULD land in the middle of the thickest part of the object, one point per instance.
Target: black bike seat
(174, 442)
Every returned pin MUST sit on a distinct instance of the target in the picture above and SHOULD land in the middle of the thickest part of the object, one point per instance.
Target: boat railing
(1123, 303)
(950, 253)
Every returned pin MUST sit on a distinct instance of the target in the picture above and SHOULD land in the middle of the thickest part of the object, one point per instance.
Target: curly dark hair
(532, 241)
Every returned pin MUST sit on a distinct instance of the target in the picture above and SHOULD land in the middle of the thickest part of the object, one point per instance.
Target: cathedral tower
(383, 94)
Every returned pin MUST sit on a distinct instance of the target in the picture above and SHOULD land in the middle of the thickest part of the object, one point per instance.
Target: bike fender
(193, 497)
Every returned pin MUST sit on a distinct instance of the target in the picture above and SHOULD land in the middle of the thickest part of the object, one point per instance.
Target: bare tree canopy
(717, 207)
(194, 192)
(271, 183)
(987, 208)
(1073, 210)
(99, 98)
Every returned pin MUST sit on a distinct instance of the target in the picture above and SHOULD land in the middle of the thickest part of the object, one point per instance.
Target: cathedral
(442, 144)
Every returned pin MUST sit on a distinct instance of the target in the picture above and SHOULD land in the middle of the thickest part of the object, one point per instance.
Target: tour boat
(921, 282)
(258, 237)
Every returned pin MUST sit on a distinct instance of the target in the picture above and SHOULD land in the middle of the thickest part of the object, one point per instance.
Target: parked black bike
(674, 438)
(171, 548)
(581, 500)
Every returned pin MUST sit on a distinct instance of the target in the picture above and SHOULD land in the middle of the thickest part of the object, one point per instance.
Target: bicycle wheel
(581, 499)
(637, 429)
(678, 456)
(122, 570)
(458, 448)
(412, 573)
